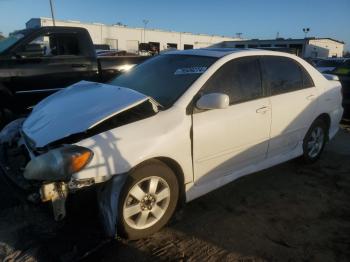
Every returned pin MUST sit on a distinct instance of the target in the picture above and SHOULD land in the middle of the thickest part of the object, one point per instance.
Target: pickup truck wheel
(314, 141)
(148, 200)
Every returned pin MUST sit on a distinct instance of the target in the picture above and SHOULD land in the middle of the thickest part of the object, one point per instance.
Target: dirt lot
(286, 213)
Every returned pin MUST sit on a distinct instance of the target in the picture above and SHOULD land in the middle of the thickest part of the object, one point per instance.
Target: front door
(227, 140)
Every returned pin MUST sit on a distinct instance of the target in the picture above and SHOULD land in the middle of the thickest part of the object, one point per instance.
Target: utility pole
(52, 13)
(145, 22)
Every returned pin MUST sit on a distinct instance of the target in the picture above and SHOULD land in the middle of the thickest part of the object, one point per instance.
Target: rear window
(282, 75)
(307, 80)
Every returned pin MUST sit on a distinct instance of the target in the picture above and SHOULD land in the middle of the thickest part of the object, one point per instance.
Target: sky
(254, 18)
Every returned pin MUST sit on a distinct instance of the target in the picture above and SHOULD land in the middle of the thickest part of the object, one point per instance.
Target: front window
(165, 77)
(10, 41)
(240, 79)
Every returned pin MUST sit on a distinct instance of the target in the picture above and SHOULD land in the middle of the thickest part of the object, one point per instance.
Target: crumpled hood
(76, 109)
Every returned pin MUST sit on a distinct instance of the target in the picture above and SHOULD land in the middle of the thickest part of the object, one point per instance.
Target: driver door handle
(263, 110)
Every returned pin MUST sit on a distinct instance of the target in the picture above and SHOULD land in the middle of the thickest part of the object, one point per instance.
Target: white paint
(228, 143)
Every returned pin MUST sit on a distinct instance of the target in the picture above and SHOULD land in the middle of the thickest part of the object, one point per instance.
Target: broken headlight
(58, 164)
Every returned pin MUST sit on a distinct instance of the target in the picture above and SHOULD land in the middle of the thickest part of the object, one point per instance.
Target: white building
(128, 38)
(305, 47)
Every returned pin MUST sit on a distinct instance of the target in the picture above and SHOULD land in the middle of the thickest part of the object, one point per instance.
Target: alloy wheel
(315, 143)
(146, 202)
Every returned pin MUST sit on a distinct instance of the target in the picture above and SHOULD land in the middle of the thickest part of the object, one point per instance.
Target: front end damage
(40, 154)
(41, 176)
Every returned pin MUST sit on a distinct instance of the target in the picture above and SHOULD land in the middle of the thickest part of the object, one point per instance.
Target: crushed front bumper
(15, 154)
(12, 163)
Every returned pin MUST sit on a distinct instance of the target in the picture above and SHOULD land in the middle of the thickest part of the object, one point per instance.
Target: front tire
(314, 141)
(148, 200)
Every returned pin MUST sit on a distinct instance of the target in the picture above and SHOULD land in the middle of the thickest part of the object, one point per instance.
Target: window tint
(49, 45)
(64, 44)
(281, 74)
(307, 80)
(239, 79)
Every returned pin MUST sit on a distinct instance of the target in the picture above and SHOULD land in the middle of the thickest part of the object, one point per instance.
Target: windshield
(7, 42)
(165, 77)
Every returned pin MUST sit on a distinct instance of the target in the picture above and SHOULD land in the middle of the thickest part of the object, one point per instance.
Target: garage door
(132, 46)
(113, 43)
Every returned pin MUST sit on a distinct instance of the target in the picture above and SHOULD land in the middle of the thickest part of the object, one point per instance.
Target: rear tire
(148, 200)
(314, 141)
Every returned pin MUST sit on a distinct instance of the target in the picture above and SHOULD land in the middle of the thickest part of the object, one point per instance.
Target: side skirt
(194, 191)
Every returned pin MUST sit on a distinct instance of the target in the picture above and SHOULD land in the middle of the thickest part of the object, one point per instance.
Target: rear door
(293, 101)
(227, 140)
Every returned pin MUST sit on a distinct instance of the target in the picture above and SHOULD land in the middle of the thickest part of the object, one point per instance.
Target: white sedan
(178, 126)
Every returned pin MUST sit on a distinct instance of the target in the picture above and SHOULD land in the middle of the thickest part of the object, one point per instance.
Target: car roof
(221, 52)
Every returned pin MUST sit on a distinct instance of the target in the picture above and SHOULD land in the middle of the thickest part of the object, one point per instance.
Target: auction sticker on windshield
(190, 70)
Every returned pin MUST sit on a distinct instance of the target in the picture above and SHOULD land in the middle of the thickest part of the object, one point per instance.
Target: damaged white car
(175, 127)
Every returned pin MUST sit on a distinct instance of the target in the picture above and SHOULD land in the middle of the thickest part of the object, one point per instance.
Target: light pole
(145, 22)
(52, 13)
(306, 30)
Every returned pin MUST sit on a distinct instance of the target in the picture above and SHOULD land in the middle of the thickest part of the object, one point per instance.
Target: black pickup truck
(34, 63)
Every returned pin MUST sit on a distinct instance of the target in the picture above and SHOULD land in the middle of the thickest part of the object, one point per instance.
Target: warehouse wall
(126, 38)
(324, 48)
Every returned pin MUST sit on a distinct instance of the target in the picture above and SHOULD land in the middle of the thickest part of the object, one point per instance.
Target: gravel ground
(286, 213)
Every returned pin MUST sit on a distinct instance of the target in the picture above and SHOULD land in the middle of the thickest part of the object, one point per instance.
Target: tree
(1, 36)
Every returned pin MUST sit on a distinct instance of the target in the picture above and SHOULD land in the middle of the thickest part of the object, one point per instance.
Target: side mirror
(213, 101)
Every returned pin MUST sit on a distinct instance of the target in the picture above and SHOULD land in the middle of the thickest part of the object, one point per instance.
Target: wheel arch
(326, 119)
(177, 169)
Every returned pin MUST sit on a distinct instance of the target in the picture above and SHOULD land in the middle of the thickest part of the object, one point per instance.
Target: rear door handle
(263, 110)
(311, 97)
